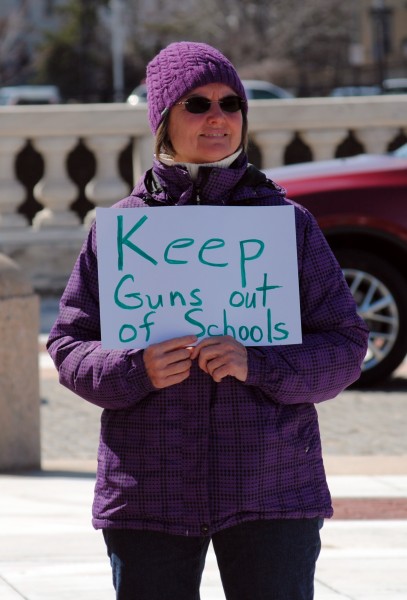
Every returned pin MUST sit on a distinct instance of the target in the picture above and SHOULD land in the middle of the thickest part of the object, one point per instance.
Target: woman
(210, 440)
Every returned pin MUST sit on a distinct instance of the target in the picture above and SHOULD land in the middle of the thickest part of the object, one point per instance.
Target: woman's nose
(215, 111)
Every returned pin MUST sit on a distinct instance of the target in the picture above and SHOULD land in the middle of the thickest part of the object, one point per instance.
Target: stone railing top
(123, 119)
(73, 119)
(316, 113)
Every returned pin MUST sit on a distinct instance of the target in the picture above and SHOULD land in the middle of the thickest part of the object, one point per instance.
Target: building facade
(377, 32)
(22, 27)
(383, 37)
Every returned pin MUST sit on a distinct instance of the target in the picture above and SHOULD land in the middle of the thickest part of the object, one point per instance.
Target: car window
(401, 152)
(29, 94)
(262, 95)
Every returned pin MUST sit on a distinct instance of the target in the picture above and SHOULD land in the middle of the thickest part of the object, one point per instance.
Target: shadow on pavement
(393, 384)
(52, 473)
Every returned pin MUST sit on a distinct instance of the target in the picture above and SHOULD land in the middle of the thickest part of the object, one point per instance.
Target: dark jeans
(259, 560)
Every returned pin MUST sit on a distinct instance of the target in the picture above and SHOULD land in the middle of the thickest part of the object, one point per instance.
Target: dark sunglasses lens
(197, 105)
(231, 104)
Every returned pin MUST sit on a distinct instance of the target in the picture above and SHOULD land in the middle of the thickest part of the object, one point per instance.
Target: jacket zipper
(197, 197)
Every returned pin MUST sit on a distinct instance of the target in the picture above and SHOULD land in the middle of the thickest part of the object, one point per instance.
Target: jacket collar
(173, 184)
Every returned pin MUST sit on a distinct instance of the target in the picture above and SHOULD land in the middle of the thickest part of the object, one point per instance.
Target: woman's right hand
(169, 362)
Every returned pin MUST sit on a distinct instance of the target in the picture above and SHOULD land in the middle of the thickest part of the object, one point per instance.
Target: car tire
(380, 292)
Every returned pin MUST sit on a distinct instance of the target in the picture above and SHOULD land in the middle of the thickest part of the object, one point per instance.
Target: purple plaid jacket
(201, 456)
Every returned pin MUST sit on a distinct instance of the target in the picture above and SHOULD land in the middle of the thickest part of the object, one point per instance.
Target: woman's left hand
(221, 356)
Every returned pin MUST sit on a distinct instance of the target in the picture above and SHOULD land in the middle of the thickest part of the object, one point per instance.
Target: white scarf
(192, 168)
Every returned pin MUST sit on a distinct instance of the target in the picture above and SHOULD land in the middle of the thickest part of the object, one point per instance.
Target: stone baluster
(55, 191)
(143, 152)
(272, 145)
(11, 191)
(106, 187)
(323, 143)
(376, 140)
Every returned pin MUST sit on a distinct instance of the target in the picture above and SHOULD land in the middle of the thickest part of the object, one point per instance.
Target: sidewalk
(49, 551)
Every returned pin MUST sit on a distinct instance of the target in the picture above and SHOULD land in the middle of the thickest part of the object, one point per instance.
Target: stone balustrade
(46, 246)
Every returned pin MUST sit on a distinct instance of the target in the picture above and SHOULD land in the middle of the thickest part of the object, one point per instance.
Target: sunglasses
(199, 104)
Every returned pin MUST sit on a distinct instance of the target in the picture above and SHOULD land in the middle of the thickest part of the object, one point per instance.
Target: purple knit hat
(182, 67)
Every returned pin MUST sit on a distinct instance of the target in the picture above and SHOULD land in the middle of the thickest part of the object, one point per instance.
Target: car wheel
(380, 292)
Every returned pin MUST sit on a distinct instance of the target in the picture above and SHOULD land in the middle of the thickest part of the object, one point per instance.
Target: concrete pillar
(20, 445)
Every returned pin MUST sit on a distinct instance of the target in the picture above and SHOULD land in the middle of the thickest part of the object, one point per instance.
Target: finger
(177, 367)
(230, 363)
(218, 344)
(207, 356)
(169, 345)
(163, 353)
(161, 368)
(169, 361)
(228, 352)
(213, 365)
(179, 342)
(213, 345)
(164, 382)
(210, 341)
(160, 376)
(220, 373)
(174, 379)
(177, 356)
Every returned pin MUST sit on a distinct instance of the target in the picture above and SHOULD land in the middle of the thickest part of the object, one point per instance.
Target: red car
(361, 206)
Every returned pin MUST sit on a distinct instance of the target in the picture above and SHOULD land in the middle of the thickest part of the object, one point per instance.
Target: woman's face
(205, 137)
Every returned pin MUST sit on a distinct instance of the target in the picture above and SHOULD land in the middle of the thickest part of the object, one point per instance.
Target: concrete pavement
(49, 551)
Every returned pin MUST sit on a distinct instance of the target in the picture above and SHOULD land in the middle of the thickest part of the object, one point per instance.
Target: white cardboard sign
(171, 271)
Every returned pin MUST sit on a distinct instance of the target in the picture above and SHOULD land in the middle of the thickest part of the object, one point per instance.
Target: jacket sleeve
(334, 336)
(113, 379)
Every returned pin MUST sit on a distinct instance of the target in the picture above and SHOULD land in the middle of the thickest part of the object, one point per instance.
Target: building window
(381, 30)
